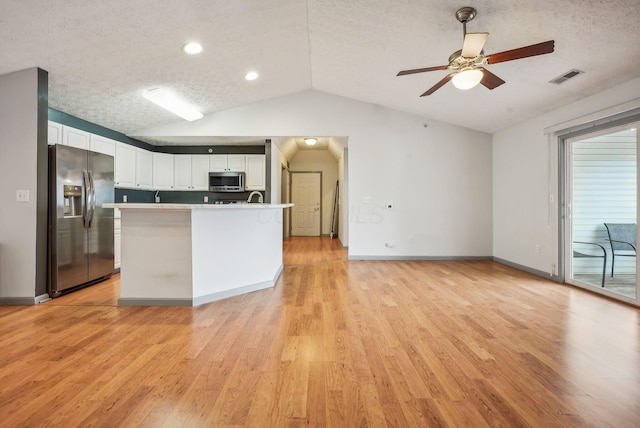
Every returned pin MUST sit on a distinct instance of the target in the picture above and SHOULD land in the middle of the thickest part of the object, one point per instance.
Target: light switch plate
(22, 195)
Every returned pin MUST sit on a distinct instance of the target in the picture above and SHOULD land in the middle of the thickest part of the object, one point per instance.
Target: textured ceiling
(101, 55)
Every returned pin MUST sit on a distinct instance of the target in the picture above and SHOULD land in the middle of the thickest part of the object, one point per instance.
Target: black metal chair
(622, 237)
(582, 254)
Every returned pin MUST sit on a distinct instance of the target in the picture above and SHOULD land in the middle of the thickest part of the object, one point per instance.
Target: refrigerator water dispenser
(72, 201)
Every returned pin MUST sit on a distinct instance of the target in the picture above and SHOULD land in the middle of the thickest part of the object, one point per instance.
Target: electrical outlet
(124, 198)
(412, 238)
(537, 248)
(22, 195)
(206, 199)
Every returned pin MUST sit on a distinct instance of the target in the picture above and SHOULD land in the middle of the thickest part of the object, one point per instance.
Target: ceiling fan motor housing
(458, 62)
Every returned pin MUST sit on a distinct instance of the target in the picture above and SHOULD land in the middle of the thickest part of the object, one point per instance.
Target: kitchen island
(190, 254)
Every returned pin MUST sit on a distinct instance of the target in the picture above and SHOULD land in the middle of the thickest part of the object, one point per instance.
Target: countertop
(170, 206)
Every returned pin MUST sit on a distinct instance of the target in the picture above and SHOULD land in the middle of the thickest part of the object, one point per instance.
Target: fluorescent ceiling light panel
(171, 103)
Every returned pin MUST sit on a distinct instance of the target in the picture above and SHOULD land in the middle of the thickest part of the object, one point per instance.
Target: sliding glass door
(601, 211)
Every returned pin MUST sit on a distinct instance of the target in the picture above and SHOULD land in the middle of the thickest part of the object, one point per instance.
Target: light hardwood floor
(336, 344)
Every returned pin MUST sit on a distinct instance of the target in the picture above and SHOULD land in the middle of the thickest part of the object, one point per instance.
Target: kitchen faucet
(255, 192)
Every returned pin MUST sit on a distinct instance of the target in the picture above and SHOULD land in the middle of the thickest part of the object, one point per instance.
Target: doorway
(285, 192)
(306, 191)
(601, 187)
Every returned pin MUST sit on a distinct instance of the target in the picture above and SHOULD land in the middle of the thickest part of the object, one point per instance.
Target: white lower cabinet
(255, 178)
(116, 243)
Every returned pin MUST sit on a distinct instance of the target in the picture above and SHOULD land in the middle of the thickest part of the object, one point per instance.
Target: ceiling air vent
(566, 76)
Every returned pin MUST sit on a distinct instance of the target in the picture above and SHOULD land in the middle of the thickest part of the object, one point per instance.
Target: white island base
(187, 255)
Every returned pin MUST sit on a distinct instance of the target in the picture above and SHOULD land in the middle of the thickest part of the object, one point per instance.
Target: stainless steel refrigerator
(80, 230)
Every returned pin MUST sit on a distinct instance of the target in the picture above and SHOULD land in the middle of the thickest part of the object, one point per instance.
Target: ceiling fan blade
(473, 44)
(438, 85)
(524, 52)
(490, 80)
(422, 70)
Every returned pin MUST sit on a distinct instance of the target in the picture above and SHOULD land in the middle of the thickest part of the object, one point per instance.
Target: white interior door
(305, 189)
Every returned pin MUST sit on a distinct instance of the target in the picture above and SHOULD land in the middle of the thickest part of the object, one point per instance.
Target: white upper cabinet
(136, 168)
(54, 133)
(199, 172)
(162, 171)
(101, 144)
(182, 172)
(191, 172)
(219, 163)
(125, 166)
(75, 137)
(144, 169)
(236, 163)
(255, 178)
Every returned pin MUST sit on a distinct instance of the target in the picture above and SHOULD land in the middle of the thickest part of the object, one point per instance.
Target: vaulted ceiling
(101, 56)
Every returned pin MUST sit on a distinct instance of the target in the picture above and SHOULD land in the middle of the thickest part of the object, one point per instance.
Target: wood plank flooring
(310, 250)
(334, 344)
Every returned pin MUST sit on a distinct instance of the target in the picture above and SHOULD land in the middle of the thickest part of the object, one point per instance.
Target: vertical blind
(604, 191)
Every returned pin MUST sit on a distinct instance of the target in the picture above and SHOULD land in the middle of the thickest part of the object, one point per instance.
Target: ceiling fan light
(310, 141)
(467, 79)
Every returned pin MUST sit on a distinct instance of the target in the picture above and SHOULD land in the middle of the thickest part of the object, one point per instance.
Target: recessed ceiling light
(252, 75)
(310, 141)
(171, 103)
(192, 48)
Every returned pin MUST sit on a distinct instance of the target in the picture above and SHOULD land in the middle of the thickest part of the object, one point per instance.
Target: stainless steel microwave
(226, 181)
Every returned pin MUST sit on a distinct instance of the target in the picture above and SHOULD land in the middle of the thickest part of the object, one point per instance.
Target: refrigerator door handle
(92, 196)
(85, 203)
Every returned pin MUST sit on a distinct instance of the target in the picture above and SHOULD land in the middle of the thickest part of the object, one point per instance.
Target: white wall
(320, 160)
(437, 176)
(525, 176)
(18, 165)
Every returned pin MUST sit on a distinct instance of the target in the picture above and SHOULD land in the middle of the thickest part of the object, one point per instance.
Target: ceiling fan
(468, 64)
